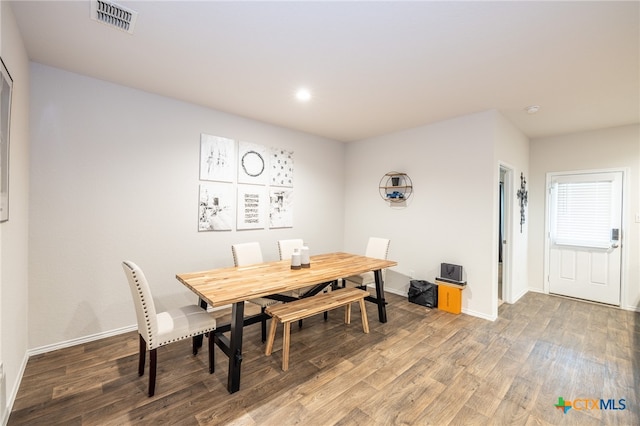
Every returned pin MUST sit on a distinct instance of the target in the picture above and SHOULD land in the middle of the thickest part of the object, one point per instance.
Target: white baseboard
(479, 315)
(402, 292)
(631, 308)
(80, 340)
(14, 391)
(519, 296)
(396, 291)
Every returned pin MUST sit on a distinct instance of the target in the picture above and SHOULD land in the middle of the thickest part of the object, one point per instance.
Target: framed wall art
(281, 167)
(252, 201)
(244, 185)
(280, 208)
(252, 163)
(6, 86)
(216, 212)
(216, 158)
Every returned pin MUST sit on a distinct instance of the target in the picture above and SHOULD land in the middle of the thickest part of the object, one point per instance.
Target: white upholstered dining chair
(245, 254)
(287, 247)
(377, 248)
(157, 329)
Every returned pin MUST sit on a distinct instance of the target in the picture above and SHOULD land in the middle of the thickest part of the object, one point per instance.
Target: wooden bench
(299, 309)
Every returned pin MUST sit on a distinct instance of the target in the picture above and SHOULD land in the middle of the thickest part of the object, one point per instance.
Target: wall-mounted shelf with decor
(395, 187)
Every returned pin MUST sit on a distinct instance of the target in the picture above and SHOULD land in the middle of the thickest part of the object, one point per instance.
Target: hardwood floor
(423, 367)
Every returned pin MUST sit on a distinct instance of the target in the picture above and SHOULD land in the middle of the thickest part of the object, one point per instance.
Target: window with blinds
(583, 212)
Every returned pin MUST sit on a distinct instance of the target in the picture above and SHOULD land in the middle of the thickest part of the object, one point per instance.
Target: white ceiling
(372, 67)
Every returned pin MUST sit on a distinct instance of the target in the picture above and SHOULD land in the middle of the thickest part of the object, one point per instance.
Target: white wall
(14, 233)
(452, 214)
(114, 176)
(617, 147)
(512, 151)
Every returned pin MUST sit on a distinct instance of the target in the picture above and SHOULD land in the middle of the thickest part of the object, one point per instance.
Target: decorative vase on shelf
(395, 180)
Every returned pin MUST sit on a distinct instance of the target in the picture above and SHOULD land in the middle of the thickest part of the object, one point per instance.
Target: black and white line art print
(216, 158)
(251, 207)
(216, 211)
(280, 208)
(252, 163)
(281, 173)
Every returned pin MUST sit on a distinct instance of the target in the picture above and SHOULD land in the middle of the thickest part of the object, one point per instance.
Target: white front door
(584, 236)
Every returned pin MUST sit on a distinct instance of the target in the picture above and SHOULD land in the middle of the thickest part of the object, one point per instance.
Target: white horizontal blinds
(583, 213)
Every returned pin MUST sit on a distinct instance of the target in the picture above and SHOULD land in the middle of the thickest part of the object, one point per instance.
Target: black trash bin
(423, 293)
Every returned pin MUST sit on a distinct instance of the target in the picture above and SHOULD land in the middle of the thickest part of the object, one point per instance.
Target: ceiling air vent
(114, 15)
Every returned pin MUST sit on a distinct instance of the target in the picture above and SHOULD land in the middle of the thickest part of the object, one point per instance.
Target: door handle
(615, 237)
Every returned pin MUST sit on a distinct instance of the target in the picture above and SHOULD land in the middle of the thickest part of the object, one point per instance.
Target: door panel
(599, 267)
(585, 265)
(568, 265)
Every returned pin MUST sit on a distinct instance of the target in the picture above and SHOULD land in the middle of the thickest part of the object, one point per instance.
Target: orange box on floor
(449, 297)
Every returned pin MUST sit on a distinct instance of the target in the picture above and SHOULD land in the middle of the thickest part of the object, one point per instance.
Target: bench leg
(363, 312)
(347, 313)
(285, 346)
(271, 337)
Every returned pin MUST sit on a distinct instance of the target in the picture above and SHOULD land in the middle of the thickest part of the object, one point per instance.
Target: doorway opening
(505, 207)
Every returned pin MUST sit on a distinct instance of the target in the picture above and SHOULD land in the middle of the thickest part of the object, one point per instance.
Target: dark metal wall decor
(522, 196)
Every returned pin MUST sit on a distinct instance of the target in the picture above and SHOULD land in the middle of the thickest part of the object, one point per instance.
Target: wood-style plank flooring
(423, 367)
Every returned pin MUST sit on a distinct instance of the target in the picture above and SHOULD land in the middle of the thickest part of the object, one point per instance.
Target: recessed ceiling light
(303, 95)
(532, 109)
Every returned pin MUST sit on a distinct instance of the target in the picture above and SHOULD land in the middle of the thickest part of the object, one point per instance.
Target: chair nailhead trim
(150, 343)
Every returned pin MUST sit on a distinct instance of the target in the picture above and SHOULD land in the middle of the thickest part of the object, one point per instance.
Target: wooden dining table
(235, 285)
